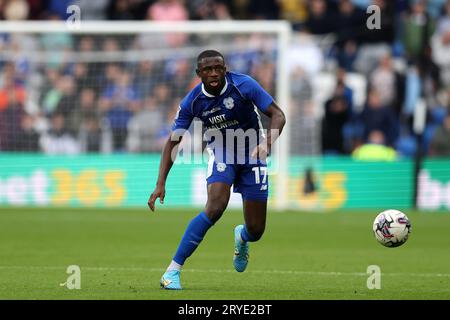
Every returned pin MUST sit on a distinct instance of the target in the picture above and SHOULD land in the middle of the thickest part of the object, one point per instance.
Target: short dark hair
(209, 54)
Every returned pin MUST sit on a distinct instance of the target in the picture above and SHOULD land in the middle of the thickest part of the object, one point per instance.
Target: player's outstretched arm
(164, 168)
(277, 122)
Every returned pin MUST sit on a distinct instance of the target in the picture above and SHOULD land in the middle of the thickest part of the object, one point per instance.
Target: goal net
(84, 112)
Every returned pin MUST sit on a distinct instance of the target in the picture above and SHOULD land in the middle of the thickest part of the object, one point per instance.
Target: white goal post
(280, 29)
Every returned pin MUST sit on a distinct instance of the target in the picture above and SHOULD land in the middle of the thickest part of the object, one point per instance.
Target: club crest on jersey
(228, 103)
(221, 167)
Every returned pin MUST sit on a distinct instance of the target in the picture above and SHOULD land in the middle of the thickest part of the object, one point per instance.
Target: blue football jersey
(223, 115)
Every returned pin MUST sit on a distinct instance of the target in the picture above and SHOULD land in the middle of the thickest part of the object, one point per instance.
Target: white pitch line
(294, 272)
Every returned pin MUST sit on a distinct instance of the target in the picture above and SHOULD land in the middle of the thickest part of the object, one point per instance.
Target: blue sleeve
(184, 116)
(253, 91)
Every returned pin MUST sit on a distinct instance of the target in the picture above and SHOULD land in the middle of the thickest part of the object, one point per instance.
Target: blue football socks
(192, 237)
(245, 236)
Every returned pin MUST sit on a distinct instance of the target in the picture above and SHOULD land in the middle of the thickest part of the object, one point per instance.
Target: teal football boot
(240, 258)
(171, 280)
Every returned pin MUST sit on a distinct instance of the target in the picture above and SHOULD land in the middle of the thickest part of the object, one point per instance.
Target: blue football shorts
(250, 180)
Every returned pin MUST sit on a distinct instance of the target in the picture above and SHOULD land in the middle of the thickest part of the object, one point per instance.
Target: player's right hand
(159, 192)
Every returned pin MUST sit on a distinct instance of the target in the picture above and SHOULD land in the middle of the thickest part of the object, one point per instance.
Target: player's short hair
(209, 54)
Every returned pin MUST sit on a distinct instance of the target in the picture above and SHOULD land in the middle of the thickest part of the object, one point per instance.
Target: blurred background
(84, 114)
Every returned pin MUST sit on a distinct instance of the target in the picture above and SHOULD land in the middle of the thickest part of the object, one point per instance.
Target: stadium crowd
(63, 106)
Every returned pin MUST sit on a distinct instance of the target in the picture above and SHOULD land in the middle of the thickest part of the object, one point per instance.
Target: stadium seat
(406, 146)
(428, 136)
(437, 115)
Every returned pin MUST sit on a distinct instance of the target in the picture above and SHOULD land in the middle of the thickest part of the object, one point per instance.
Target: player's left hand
(261, 151)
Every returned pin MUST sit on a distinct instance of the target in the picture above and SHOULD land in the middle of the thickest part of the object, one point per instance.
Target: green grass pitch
(123, 253)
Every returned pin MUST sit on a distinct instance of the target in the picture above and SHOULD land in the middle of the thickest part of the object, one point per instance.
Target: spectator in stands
(377, 117)
(162, 95)
(111, 47)
(342, 89)
(320, 20)
(11, 91)
(37, 9)
(264, 73)
(222, 11)
(67, 103)
(440, 142)
(350, 22)
(51, 92)
(82, 77)
(16, 10)
(417, 28)
(169, 10)
(56, 44)
(243, 59)
(58, 8)
(145, 77)
(58, 140)
(87, 106)
(144, 128)
(87, 75)
(208, 10)
(441, 45)
(413, 90)
(10, 118)
(386, 80)
(435, 8)
(117, 104)
(295, 11)
(385, 34)
(25, 138)
(263, 9)
(120, 10)
(375, 149)
(336, 115)
(344, 136)
(110, 75)
(95, 135)
(177, 72)
(86, 44)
